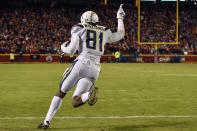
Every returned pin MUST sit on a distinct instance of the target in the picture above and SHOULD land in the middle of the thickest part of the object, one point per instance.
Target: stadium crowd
(42, 30)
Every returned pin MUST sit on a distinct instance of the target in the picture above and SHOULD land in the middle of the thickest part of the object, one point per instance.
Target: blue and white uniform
(89, 40)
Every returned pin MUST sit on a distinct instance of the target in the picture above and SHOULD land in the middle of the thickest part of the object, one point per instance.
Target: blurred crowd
(43, 30)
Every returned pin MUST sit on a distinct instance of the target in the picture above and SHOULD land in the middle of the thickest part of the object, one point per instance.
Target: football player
(89, 39)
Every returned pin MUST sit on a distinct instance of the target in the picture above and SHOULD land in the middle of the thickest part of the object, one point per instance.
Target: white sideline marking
(144, 99)
(122, 90)
(114, 90)
(102, 117)
(110, 91)
(151, 71)
(189, 75)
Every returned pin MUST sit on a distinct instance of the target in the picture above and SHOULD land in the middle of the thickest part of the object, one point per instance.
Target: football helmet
(89, 16)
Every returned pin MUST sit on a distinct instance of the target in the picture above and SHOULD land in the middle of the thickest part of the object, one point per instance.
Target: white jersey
(89, 41)
(92, 40)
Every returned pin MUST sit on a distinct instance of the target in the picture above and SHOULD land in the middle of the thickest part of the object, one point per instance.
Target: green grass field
(132, 97)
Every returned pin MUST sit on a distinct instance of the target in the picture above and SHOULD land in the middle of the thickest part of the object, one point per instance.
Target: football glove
(120, 13)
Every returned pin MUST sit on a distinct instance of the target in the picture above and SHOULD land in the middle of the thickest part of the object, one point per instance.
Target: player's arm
(71, 48)
(116, 36)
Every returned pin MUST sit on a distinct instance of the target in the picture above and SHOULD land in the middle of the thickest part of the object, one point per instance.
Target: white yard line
(186, 75)
(114, 90)
(102, 117)
(149, 71)
(145, 99)
(109, 90)
(122, 90)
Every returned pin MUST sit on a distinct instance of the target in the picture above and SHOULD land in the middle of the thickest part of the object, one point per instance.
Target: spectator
(12, 57)
(42, 30)
(117, 56)
(21, 57)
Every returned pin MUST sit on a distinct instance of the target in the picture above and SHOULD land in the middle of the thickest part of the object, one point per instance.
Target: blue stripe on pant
(67, 73)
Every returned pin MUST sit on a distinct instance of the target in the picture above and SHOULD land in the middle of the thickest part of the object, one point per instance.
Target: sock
(55, 105)
(85, 97)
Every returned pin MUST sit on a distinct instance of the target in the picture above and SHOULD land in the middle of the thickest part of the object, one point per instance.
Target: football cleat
(44, 125)
(93, 93)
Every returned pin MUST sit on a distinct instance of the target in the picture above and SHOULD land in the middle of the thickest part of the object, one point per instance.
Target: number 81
(91, 37)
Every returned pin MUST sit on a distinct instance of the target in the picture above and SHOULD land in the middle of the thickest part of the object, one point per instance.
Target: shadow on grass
(151, 125)
(147, 126)
(78, 128)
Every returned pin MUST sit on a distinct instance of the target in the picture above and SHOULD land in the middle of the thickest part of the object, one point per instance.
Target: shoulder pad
(80, 25)
(76, 28)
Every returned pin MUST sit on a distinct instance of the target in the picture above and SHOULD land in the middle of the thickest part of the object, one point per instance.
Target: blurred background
(133, 95)
(41, 26)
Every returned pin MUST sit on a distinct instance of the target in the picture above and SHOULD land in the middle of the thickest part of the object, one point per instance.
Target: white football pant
(79, 74)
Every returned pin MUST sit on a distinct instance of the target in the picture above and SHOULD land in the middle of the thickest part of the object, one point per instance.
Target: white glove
(64, 45)
(120, 13)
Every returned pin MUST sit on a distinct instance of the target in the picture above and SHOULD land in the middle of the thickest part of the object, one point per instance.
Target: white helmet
(89, 16)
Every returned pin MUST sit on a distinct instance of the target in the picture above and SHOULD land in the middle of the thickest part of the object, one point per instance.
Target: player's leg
(92, 75)
(81, 94)
(70, 78)
(85, 90)
(55, 105)
(93, 95)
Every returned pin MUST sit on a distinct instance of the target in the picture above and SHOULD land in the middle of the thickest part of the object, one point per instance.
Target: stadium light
(105, 1)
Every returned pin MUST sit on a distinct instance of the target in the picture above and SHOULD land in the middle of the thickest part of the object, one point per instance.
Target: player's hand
(64, 45)
(120, 13)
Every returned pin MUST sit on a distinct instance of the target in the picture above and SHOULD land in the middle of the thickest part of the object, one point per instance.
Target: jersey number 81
(91, 40)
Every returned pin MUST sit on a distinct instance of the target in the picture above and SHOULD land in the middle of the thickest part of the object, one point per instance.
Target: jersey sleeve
(108, 34)
(75, 38)
(113, 37)
(76, 28)
(73, 45)
(116, 36)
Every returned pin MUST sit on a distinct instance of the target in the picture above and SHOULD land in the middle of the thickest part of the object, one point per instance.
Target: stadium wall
(44, 58)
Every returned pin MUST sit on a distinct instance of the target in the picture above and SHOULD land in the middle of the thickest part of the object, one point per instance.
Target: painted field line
(149, 71)
(144, 100)
(110, 91)
(114, 90)
(101, 117)
(181, 75)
